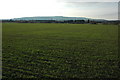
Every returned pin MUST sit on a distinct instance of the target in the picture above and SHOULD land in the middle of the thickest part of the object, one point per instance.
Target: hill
(57, 18)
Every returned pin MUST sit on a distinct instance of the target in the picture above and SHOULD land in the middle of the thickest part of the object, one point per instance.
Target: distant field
(34, 50)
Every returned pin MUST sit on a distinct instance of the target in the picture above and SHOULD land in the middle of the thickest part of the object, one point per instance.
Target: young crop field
(38, 50)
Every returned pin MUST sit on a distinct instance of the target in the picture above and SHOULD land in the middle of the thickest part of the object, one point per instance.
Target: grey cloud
(88, 0)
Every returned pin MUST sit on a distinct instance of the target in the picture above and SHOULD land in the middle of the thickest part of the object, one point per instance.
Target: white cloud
(21, 8)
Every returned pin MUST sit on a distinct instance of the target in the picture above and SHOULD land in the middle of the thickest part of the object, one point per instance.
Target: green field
(38, 50)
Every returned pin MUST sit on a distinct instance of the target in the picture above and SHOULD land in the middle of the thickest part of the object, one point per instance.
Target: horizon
(59, 16)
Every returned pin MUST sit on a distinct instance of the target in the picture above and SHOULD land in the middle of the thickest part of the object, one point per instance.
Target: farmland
(38, 50)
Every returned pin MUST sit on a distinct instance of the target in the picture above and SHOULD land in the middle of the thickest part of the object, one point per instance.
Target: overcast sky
(103, 9)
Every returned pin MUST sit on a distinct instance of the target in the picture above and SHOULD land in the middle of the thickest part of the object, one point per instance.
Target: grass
(34, 50)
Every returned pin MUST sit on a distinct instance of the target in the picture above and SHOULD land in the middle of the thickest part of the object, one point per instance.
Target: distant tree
(88, 21)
